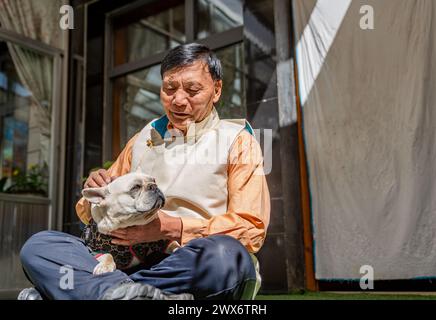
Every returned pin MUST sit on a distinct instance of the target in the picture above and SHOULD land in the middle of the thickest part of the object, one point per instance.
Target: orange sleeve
(248, 211)
(120, 167)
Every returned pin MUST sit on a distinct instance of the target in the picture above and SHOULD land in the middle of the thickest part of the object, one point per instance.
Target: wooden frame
(311, 283)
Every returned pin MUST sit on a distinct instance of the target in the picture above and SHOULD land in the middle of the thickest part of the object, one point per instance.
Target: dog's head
(132, 199)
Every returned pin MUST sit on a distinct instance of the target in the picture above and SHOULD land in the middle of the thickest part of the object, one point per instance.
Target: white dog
(132, 199)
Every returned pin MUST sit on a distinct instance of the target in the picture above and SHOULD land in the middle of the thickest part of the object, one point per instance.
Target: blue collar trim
(248, 128)
(160, 125)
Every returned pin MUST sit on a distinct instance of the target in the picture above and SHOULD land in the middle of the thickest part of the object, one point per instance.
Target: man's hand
(98, 178)
(163, 227)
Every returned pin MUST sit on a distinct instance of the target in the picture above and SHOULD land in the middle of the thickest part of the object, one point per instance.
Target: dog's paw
(106, 264)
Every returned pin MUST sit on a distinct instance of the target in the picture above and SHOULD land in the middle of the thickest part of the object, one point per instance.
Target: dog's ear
(95, 195)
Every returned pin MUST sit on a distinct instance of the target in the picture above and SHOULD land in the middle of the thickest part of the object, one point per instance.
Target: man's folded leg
(215, 267)
(60, 266)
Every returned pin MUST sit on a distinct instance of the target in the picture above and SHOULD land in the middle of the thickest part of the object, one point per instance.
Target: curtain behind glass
(36, 73)
(36, 19)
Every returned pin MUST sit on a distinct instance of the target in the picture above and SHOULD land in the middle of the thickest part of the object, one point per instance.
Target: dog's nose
(152, 187)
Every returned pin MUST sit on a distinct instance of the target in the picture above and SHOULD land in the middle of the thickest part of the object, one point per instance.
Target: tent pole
(311, 282)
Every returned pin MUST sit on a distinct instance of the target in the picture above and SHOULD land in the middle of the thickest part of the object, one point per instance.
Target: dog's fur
(132, 199)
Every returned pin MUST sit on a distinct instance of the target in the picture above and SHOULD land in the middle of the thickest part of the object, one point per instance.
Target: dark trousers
(60, 266)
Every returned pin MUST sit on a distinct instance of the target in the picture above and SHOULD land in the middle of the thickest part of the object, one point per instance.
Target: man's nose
(180, 98)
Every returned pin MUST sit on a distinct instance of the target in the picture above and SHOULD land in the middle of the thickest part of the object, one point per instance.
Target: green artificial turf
(345, 296)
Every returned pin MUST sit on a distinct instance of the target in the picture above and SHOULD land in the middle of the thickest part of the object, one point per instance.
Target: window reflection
(260, 51)
(216, 16)
(150, 35)
(232, 102)
(141, 101)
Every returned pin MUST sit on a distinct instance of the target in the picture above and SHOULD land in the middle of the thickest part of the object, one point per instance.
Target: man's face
(188, 94)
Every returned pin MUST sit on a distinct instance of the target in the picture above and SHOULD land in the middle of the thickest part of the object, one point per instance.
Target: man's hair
(186, 54)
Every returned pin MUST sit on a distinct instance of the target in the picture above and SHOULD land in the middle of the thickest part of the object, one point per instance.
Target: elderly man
(218, 211)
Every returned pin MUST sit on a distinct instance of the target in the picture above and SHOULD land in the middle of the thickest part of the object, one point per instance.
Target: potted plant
(34, 181)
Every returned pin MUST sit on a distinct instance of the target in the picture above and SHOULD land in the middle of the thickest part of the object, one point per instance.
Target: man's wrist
(171, 227)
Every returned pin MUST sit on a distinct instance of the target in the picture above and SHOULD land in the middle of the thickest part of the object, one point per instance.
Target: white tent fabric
(369, 115)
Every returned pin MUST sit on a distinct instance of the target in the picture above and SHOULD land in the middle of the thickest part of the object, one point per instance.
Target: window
(140, 100)
(232, 101)
(149, 35)
(25, 119)
(143, 35)
(217, 16)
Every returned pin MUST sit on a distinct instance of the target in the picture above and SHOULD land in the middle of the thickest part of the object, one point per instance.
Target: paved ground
(352, 296)
(10, 295)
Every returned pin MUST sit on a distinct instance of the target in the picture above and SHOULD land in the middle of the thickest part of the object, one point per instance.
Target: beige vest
(190, 170)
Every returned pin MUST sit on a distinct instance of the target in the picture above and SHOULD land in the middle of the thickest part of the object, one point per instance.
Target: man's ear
(95, 195)
(218, 88)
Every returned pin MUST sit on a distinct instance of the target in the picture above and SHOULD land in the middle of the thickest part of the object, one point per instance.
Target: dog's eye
(136, 188)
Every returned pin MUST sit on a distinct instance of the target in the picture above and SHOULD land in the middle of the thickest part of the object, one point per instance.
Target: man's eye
(193, 91)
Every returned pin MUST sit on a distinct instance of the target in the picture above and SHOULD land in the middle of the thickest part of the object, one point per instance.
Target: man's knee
(37, 245)
(220, 246)
(224, 258)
